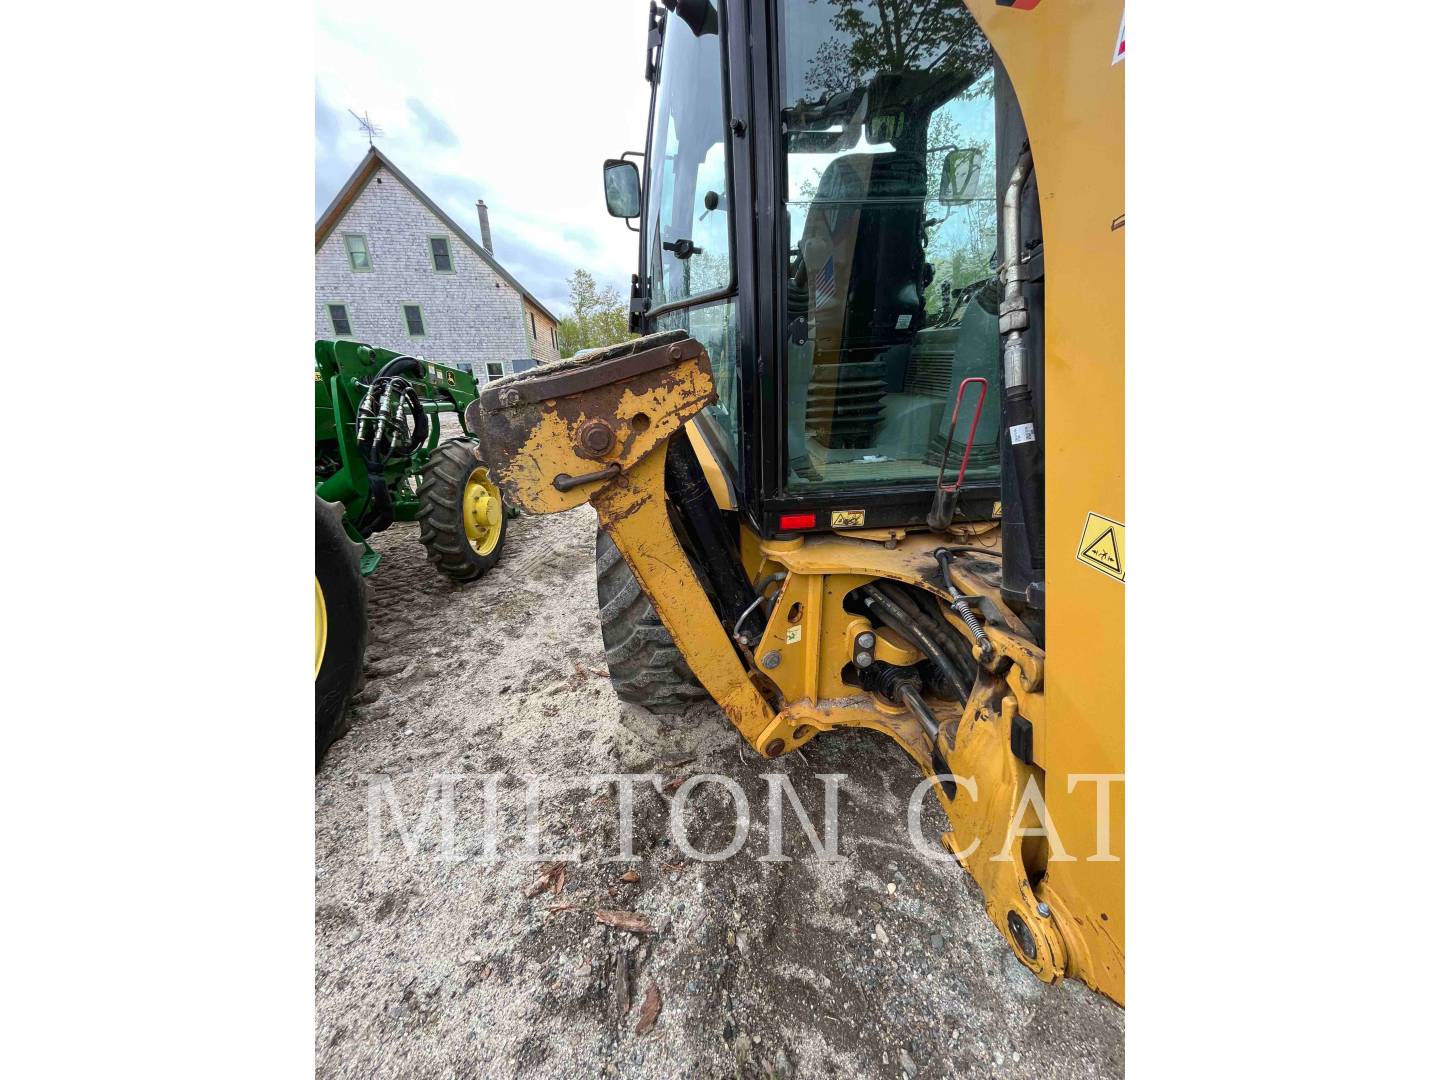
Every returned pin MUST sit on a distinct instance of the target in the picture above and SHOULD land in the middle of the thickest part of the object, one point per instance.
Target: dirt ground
(879, 964)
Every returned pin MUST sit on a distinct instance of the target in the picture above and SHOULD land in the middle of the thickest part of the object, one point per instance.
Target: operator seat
(863, 266)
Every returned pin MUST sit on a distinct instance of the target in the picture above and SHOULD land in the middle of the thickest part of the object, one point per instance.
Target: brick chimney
(484, 212)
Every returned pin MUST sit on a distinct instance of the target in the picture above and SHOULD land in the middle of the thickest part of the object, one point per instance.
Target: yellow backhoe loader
(866, 461)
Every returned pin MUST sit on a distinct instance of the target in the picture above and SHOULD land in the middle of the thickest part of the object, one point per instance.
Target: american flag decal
(825, 284)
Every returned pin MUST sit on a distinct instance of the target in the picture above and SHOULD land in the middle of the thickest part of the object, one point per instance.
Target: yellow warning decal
(847, 519)
(1102, 545)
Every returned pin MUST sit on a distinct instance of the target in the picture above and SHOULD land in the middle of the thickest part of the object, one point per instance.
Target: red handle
(974, 425)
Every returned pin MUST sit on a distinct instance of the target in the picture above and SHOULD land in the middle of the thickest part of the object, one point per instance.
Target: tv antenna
(367, 125)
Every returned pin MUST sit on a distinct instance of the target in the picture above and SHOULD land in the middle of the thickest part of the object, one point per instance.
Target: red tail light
(796, 521)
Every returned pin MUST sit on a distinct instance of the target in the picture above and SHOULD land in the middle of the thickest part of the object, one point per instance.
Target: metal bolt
(771, 660)
(1043, 910)
(674, 352)
(597, 437)
(863, 660)
(866, 640)
(738, 127)
(510, 396)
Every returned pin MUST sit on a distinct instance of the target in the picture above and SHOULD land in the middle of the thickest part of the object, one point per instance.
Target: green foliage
(598, 316)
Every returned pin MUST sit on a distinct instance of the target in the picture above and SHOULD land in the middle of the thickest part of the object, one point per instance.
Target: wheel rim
(482, 509)
(322, 626)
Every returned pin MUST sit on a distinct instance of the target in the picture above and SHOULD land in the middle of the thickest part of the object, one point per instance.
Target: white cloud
(536, 95)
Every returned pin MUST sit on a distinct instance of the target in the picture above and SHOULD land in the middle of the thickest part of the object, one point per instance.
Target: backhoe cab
(865, 461)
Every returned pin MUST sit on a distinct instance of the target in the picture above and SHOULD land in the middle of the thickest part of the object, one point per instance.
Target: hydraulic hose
(955, 646)
(378, 419)
(893, 616)
(960, 605)
(760, 587)
(400, 365)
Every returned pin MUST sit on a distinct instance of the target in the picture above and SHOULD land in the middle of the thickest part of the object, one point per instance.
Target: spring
(961, 607)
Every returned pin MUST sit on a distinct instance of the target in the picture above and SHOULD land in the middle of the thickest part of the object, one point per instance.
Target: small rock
(1016, 1055)
(937, 941)
(890, 887)
(880, 934)
(907, 1063)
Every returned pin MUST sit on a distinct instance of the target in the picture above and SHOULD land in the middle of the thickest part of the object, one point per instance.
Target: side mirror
(960, 176)
(622, 189)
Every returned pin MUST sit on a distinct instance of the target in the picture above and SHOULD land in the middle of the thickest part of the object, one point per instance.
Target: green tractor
(379, 459)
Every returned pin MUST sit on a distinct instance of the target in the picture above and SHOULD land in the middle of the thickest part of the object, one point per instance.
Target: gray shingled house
(393, 269)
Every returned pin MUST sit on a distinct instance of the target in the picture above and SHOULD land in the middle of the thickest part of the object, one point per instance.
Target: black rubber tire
(442, 494)
(342, 666)
(645, 666)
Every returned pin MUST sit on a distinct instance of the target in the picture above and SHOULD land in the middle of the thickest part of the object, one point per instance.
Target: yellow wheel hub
(482, 510)
(322, 627)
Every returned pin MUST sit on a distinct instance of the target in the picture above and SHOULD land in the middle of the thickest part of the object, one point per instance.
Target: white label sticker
(792, 635)
(902, 323)
(1022, 433)
(1119, 42)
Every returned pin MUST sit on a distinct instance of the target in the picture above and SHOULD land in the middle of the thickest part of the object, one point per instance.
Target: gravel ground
(881, 963)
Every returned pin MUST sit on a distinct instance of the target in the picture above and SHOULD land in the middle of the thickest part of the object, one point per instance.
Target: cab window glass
(688, 214)
(888, 138)
(713, 325)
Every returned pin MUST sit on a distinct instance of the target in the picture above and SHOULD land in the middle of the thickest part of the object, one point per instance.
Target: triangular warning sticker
(1103, 550)
(1102, 545)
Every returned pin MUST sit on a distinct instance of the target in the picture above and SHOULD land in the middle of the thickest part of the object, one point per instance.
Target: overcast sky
(517, 104)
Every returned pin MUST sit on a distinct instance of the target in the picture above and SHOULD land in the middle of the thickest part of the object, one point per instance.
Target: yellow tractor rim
(482, 509)
(322, 627)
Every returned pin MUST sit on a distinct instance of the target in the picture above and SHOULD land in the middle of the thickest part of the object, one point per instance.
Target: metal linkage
(960, 605)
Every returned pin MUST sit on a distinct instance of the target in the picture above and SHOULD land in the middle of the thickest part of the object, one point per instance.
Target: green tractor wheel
(341, 627)
(462, 515)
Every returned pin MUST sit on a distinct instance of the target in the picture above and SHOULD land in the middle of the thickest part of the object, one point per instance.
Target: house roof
(369, 165)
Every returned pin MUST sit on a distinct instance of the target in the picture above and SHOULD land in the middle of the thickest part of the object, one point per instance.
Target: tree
(598, 317)
(874, 37)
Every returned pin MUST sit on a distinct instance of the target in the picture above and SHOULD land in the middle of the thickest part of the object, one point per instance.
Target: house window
(358, 250)
(414, 321)
(339, 319)
(532, 325)
(554, 341)
(494, 369)
(440, 254)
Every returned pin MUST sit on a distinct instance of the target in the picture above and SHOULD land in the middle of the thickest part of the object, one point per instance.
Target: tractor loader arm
(598, 430)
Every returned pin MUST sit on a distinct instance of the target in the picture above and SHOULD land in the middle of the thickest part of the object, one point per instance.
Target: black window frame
(731, 71)
(736, 91)
(449, 268)
(761, 489)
